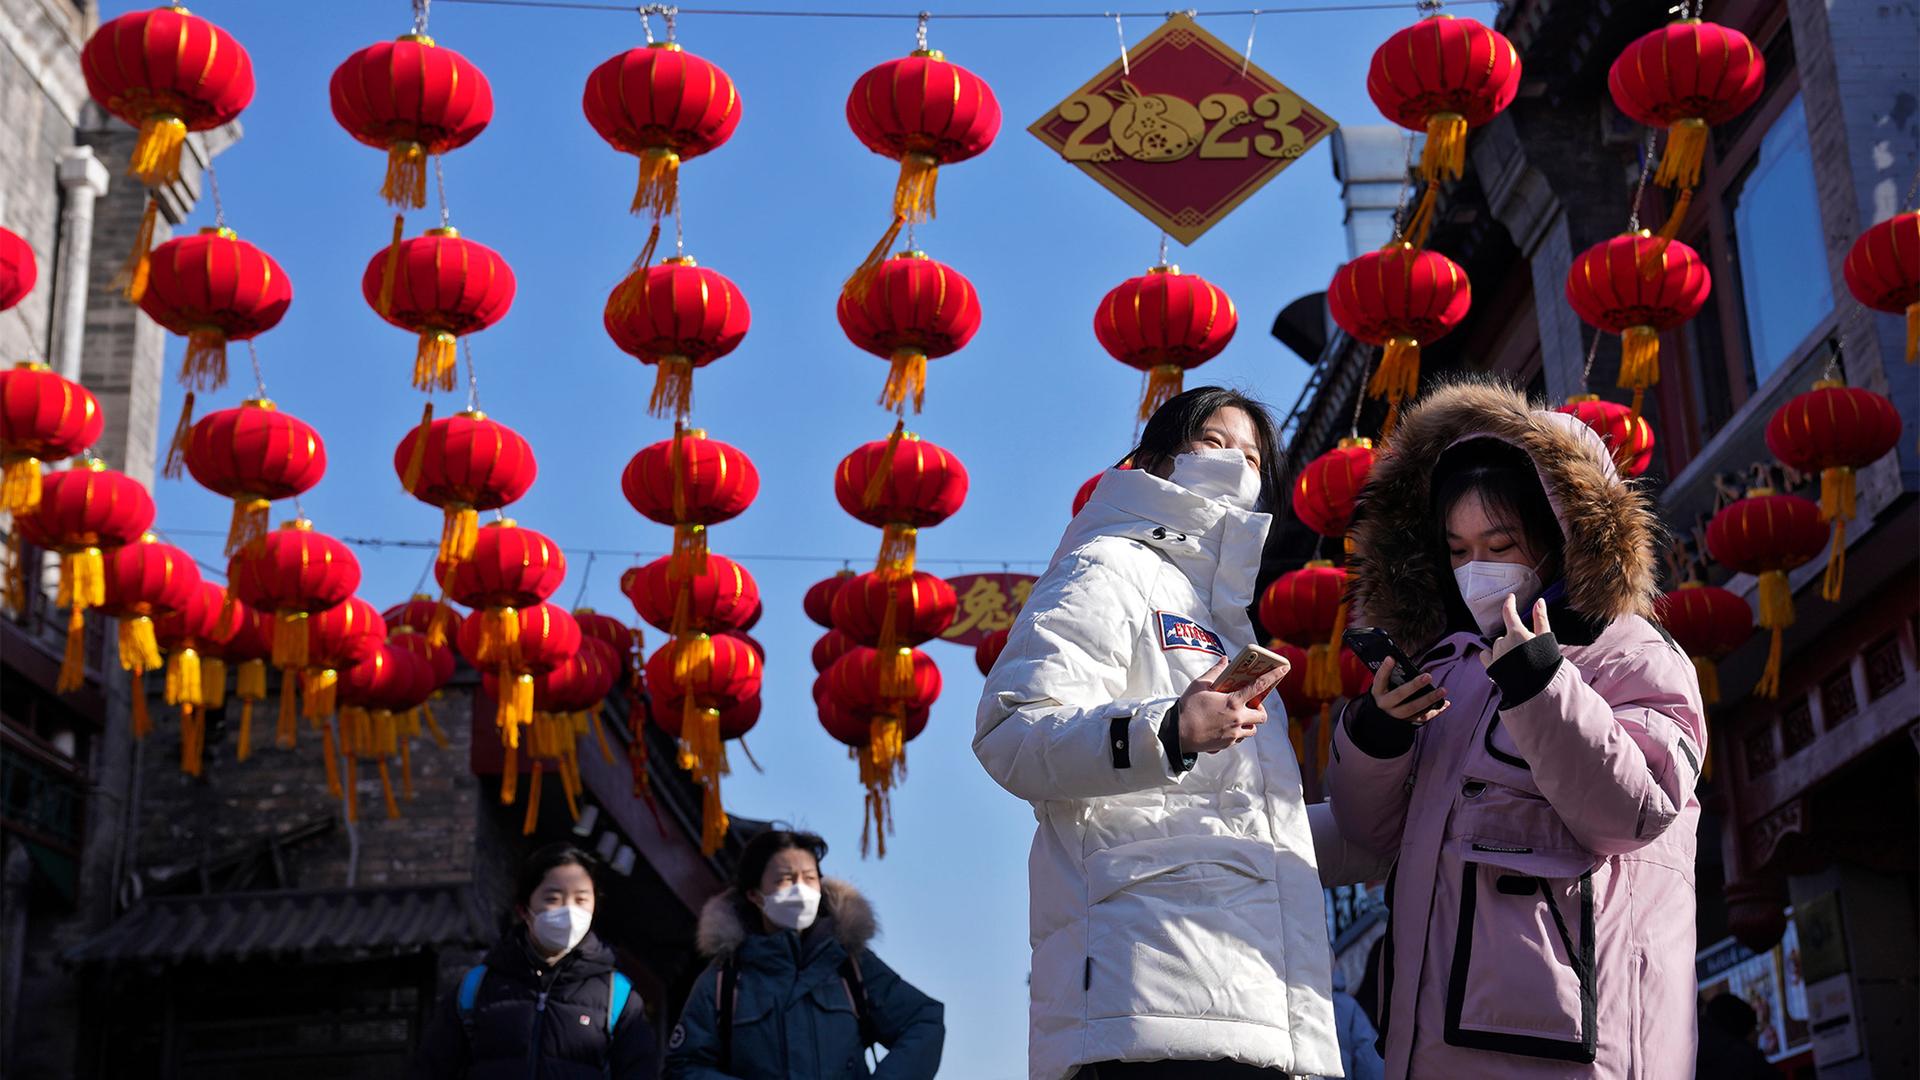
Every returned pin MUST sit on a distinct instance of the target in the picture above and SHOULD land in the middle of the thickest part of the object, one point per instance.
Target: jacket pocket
(836, 1029)
(1523, 977)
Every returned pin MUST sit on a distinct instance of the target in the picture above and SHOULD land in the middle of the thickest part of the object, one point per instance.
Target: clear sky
(1033, 406)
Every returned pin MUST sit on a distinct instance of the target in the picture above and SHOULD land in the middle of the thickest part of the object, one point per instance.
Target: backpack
(729, 986)
(469, 993)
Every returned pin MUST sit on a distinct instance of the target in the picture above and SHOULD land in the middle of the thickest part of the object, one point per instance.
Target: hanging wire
(1593, 350)
(440, 183)
(1163, 247)
(1126, 65)
(668, 12)
(33, 335)
(585, 574)
(473, 380)
(911, 246)
(982, 16)
(420, 14)
(1646, 170)
(1360, 399)
(420, 582)
(1253, 23)
(259, 380)
(1406, 188)
(213, 186)
(679, 226)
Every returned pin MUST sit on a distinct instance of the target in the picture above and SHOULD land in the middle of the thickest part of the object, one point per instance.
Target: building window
(1784, 280)
(1884, 672)
(1761, 756)
(1796, 727)
(1837, 698)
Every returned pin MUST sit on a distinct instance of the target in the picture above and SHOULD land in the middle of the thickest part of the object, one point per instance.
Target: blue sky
(1033, 406)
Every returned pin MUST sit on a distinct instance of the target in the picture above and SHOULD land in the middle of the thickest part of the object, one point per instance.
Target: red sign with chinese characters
(988, 602)
(1186, 132)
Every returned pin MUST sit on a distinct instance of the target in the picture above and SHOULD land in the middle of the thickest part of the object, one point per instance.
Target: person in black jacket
(547, 1003)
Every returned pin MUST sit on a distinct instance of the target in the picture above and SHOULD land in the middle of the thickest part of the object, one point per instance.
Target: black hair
(1508, 485)
(760, 851)
(1177, 425)
(1730, 1013)
(542, 862)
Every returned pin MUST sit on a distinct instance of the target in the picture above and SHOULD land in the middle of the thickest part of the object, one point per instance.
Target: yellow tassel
(1445, 156)
(689, 559)
(692, 659)
(499, 635)
(883, 472)
(1163, 385)
(1776, 614)
(406, 180)
(896, 672)
(1837, 506)
(860, 282)
(906, 380)
(1420, 223)
(1297, 738)
(1836, 562)
(192, 739)
(1709, 674)
(139, 650)
(83, 579)
(390, 270)
(659, 187)
(437, 624)
(435, 360)
(1322, 739)
(887, 742)
(417, 457)
(156, 156)
(142, 722)
(672, 395)
(132, 278)
(533, 801)
(522, 697)
(290, 640)
(1913, 332)
(1685, 152)
(213, 682)
(322, 693)
(1654, 258)
(510, 776)
(459, 532)
(176, 462)
(287, 732)
(20, 490)
(433, 727)
(73, 663)
(15, 586)
(913, 192)
(897, 546)
(1639, 362)
(249, 524)
(386, 790)
(713, 820)
(243, 745)
(250, 680)
(1323, 672)
(184, 678)
(204, 367)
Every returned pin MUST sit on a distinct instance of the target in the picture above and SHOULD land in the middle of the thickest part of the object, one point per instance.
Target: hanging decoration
(340, 637)
(1685, 77)
(442, 287)
(818, 602)
(463, 464)
(893, 613)
(676, 316)
(43, 418)
(195, 645)
(1883, 272)
(566, 705)
(690, 482)
(368, 693)
(1399, 297)
(629, 645)
(212, 288)
(1610, 292)
(1310, 708)
(294, 573)
(663, 105)
(84, 512)
(913, 310)
(247, 652)
(900, 485)
(414, 99)
(1626, 433)
(1164, 323)
(854, 727)
(692, 609)
(731, 675)
(1767, 534)
(144, 580)
(1328, 488)
(1708, 622)
(18, 269)
(1309, 605)
(1834, 429)
(855, 682)
(253, 454)
(547, 638)
(1441, 77)
(832, 646)
(987, 653)
(511, 568)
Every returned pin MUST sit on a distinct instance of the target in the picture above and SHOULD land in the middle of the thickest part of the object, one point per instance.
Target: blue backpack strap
(617, 1001)
(468, 994)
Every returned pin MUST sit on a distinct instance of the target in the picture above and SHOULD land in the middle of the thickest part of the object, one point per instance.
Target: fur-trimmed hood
(854, 925)
(1401, 581)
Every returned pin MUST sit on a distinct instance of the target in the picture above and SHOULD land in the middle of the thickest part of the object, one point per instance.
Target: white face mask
(560, 929)
(1218, 475)
(792, 908)
(1485, 587)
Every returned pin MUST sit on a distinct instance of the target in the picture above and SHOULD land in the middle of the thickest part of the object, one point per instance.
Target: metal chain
(33, 335)
(1593, 350)
(920, 32)
(213, 188)
(420, 14)
(670, 13)
(473, 380)
(1646, 170)
(679, 226)
(259, 380)
(646, 21)
(440, 182)
(1360, 397)
(1163, 247)
(1406, 188)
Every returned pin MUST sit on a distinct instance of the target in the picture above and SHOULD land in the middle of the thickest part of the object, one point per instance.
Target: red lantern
(146, 579)
(337, 639)
(1442, 76)
(731, 676)
(82, 511)
(1767, 535)
(663, 105)
(892, 613)
(1085, 495)
(1328, 488)
(1164, 323)
(832, 646)
(692, 609)
(511, 568)
(676, 316)
(734, 722)
(901, 485)
(213, 287)
(545, 637)
(1834, 429)
(1708, 622)
(987, 653)
(166, 72)
(1309, 605)
(913, 310)
(1684, 77)
(854, 683)
(818, 602)
(373, 694)
(690, 482)
(464, 464)
(18, 269)
(198, 645)
(1625, 432)
(617, 636)
(253, 455)
(295, 573)
(1883, 272)
(43, 417)
(1610, 292)
(923, 112)
(411, 98)
(442, 287)
(1398, 297)
(855, 728)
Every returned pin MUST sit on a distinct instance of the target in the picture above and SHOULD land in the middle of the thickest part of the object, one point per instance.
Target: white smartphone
(1246, 668)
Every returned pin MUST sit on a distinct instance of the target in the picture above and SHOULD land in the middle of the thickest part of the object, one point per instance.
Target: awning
(303, 924)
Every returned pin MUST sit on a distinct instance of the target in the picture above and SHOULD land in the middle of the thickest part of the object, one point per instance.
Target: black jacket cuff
(1526, 669)
(1170, 738)
(1376, 734)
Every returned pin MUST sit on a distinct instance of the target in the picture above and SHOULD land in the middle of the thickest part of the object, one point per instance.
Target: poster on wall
(1771, 982)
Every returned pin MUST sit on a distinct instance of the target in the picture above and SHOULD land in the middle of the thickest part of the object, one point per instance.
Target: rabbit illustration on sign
(1153, 127)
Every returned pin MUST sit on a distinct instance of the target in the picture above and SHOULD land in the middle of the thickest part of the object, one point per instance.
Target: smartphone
(1246, 669)
(1372, 645)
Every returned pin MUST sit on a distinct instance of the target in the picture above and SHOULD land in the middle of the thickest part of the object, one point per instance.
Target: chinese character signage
(1186, 132)
(988, 602)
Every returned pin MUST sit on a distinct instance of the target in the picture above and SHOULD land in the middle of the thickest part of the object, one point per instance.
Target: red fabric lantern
(622, 640)
(923, 112)
(832, 646)
(1638, 287)
(731, 675)
(213, 287)
(166, 72)
(855, 728)
(1883, 272)
(1684, 77)
(676, 316)
(337, 639)
(1398, 297)
(987, 653)
(294, 573)
(854, 683)
(1708, 622)
(1309, 605)
(693, 608)
(146, 579)
(892, 613)
(248, 650)
(901, 485)
(441, 286)
(734, 722)
(1307, 708)
(394, 680)
(1164, 323)
(1767, 535)
(18, 269)
(818, 602)
(439, 659)
(914, 309)
(253, 455)
(663, 105)
(43, 417)
(1085, 495)
(463, 464)
(1834, 429)
(1442, 76)
(545, 637)
(690, 482)
(411, 98)
(82, 511)
(1625, 432)
(1325, 493)
(196, 641)
(511, 568)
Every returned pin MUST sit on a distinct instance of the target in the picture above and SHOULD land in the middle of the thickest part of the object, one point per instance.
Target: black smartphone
(1372, 645)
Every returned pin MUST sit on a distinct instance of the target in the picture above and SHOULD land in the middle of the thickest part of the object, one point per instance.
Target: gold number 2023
(1223, 112)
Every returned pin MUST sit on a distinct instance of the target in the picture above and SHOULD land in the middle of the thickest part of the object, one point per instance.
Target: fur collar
(854, 925)
(1401, 581)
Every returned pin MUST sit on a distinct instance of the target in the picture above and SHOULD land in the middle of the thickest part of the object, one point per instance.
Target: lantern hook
(920, 31)
(670, 13)
(420, 14)
(1428, 8)
(646, 20)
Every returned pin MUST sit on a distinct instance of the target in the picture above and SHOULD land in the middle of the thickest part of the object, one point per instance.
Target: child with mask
(1535, 778)
(547, 1002)
(793, 990)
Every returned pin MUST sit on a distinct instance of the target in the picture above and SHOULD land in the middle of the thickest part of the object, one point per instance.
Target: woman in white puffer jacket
(1176, 906)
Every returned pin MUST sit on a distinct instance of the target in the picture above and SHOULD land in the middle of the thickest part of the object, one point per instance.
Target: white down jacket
(1176, 915)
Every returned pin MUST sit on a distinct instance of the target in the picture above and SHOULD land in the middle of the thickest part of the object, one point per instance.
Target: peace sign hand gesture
(1517, 633)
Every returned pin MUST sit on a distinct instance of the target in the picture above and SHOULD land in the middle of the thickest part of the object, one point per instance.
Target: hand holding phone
(1399, 689)
(1246, 669)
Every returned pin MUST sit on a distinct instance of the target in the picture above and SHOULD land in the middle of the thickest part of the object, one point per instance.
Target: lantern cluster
(1686, 77)
(1834, 429)
(1883, 272)
(1304, 612)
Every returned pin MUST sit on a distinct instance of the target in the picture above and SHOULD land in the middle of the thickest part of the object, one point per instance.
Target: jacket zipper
(539, 1023)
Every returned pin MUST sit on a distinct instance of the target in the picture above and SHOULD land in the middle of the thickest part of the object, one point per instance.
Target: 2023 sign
(1165, 128)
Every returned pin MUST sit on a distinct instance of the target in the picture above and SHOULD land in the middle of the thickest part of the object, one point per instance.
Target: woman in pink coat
(1535, 782)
